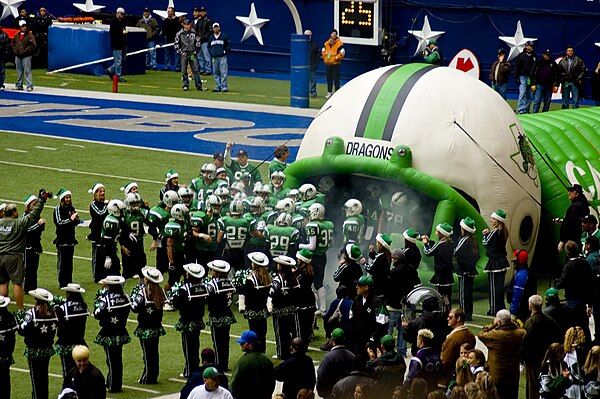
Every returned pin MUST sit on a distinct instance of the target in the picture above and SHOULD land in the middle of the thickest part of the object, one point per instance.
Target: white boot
(322, 300)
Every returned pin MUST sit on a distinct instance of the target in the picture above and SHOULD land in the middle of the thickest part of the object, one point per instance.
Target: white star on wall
(10, 7)
(88, 6)
(425, 35)
(252, 24)
(517, 42)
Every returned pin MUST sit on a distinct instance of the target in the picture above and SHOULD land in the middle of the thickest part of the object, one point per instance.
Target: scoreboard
(358, 22)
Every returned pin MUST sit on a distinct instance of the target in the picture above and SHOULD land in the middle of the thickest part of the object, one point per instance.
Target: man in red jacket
(23, 47)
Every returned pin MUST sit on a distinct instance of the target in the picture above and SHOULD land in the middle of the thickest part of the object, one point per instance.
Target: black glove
(43, 195)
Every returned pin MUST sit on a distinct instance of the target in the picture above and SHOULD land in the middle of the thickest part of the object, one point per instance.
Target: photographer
(432, 54)
(13, 235)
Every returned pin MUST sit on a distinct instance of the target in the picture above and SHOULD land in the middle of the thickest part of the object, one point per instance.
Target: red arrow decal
(464, 64)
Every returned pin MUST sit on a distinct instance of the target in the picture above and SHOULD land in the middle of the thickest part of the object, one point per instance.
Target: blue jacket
(518, 289)
(219, 47)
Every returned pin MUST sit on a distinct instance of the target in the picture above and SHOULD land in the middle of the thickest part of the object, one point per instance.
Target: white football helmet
(316, 212)
(222, 192)
(237, 187)
(353, 207)
(307, 192)
(186, 194)
(284, 219)
(257, 206)
(285, 205)
(208, 171)
(214, 202)
(277, 179)
(115, 208)
(374, 191)
(236, 207)
(171, 198)
(257, 188)
(399, 199)
(133, 201)
(179, 212)
(326, 183)
(293, 194)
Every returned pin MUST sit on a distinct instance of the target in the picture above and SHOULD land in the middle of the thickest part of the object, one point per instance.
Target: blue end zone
(71, 117)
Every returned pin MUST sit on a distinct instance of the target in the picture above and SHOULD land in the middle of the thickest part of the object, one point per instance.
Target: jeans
(23, 66)
(568, 89)
(312, 83)
(151, 54)
(117, 66)
(395, 320)
(204, 62)
(542, 94)
(501, 89)
(185, 59)
(525, 93)
(2, 73)
(220, 73)
(332, 73)
(172, 59)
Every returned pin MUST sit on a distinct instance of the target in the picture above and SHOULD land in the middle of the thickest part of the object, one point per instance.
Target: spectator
(118, 43)
(387, 366)
(150, 24)
(4, 43)
(541, 332)
(85, 378)
(314, 55)
(170, 28)
(210, 389)
(418, 389)
(24, 47)
(306, 394)
(592, 373)
(543, 79)
(504, 341)
(13, 239)
(558, 311)
(426, 363)
(207, 356)
(432, 54)
(341, 308)
(203, 27)
(24, 16)
(253, 376)
(589, 225)
(431, 318)
(336, 365)
(33, 246)
(499, 73)
(476, 361)
(459, 335)
(442, 252)
(570, 225)
(403, 278)
(218, 47)
(576, 279)
(187, 46)
(297, 372)
(571, 70)
(344, 388)
(466, 253)
(523, 285)
(555, 377)
(279, 163)
(462, 376)
(8, 326)
(494, 242)
(523, 66)
(240, 165)
(575, 349)
(486, 386)
(333, 53)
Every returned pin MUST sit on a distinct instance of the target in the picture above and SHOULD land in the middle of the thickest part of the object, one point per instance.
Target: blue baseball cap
(247, 336)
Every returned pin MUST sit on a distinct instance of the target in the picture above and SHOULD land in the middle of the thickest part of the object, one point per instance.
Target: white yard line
(40, 147)
(15, 150)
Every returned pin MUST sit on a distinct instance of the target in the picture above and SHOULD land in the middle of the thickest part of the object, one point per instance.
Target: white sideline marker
(45, 148)
(15, 150)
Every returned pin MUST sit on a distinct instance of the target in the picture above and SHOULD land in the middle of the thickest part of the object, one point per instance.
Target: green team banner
(453, 148)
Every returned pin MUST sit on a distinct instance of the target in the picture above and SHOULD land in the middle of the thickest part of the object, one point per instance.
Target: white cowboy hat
(42, 294)
(219, 266)
(285, 260)
(72, 287)
(152, 274)
(195, 269)
(112, 280)
(4, 301)
(259, 258)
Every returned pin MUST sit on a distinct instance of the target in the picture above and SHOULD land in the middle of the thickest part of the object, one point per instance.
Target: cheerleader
(412, 254)
(282, 303)
(189, 298)
(442, 252)
(111, 308)
(305, 275)
(72, 315)
(220, 317)
(98, 212)
(467, 255)
(8, 329)
(39, 328)
(494, 242)
(254, 293)
(147, 300)
(381, 260)
(349, 271)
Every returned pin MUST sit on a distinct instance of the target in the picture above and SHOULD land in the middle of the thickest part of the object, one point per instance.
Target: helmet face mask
(374, 191)
(170, 198)
(307, 192)
(186, 195)
(222, 193)
(236, 207)
(326, 184)
(179, 212)
(316, 212)
(284, 219)
(286, 205)
(208, 171)
(353, 207)
(293, 194)
(133, 201)
(277, 179)
(257, 206)
(214, 202)
(115, 208)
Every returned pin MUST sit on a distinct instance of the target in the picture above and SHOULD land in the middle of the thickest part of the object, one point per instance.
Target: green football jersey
(323, 230)
(281, 239)
(237, 170)
(205, 224)
(279, 195)
(177, 232)
(276, 166)
(353, 228)
(236, 231)
(160, 217)
(134, 223)
(110, 228)
(319, 199)
(256, 224)
(202, 189)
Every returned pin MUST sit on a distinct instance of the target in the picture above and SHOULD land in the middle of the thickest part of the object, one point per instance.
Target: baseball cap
(589, 219)
(387, 341)
(365, 280)
(210, 372)
(120, 10)
(196, 9)
(146, 9)
(218, 156)
(529, 43)
(575, 187)
(22, 23)
(501, 51)
(242, 153)
(216, 24)
(551, 293)
(521, 256)
(247, 336)
(337, 333)
(202, 8)
(547, 52)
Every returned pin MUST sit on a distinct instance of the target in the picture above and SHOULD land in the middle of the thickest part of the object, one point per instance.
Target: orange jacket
(333, 53)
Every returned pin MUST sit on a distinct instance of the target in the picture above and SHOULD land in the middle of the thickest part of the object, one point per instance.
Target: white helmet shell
(179, 212)
(115, 208)
(171, 198)
(133, 201)
(209, 171)
(353, 207)
(236, 207)
(307, 192)
(316, 212)
(284, 219)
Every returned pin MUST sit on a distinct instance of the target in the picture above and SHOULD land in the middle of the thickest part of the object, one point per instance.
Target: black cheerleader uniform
(284, 294)
(496, 267)
(305, 303)
(8, 329)
(347, 274)
(33, 249)
(189, 298)
(467, 255)
(111, 308)
(72, 315)
(39, 332)
(256, 296)
(220, 317)
(98, 212)
(379, 269)
(149, 331)
(443, 279)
